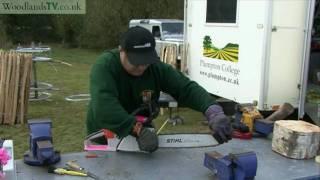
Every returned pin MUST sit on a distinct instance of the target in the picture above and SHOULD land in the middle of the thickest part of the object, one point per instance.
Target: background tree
(5, 42)
(100, 27)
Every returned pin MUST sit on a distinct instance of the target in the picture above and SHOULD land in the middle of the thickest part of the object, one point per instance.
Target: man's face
(134, 70)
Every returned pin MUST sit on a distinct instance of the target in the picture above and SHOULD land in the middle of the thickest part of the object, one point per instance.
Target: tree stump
(296, 139)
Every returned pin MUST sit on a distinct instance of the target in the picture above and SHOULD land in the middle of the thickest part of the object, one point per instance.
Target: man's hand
(219, 123)
(137, 128)
(147, 140)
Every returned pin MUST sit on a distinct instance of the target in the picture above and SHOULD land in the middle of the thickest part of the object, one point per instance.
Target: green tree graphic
(207, 43)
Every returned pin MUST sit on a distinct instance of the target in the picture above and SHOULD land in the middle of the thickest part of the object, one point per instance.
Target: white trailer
(250, 50)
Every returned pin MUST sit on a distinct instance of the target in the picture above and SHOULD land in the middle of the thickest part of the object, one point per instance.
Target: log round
(296, 139)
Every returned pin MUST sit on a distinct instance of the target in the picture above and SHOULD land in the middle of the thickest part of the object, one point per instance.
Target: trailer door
(310, 108)
(286, 52)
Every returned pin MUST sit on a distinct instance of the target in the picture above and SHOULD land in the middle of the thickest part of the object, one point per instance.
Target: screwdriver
(73, 165)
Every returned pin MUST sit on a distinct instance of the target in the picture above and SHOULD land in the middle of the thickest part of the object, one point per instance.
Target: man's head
(137, 50)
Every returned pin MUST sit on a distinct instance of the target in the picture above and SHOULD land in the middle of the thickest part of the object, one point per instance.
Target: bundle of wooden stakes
(168, 55)
(15, 77)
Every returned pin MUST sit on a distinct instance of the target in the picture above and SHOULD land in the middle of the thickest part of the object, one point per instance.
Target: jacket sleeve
(106, 109)
(186, 92)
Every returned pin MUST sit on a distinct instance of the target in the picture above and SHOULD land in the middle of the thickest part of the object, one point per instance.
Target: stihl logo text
(174, 140)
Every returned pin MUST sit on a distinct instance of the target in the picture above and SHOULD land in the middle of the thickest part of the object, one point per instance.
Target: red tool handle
(241, 135)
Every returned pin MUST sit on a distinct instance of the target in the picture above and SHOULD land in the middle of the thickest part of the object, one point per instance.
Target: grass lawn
(68, 118)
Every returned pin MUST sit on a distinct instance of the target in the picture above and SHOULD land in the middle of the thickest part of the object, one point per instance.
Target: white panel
(285, 63)
(248, 33)
(8, 145)
(286, 52)
(10, 168)
(289, 13)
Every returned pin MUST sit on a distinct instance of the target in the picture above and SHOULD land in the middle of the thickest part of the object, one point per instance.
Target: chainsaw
(106, 140)
(129, 143)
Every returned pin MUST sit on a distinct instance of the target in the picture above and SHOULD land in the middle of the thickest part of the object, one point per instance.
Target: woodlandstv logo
(42, 7)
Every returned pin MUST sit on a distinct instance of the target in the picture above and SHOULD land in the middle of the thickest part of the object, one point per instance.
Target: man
(122, 79)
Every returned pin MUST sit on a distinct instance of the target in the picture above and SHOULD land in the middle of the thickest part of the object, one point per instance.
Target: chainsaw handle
(148, 111)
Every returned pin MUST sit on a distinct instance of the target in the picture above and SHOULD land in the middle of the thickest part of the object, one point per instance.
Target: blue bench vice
(41, 149)
(242, 166)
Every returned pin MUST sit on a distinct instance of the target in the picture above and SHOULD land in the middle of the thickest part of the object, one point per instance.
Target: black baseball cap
(139, 45)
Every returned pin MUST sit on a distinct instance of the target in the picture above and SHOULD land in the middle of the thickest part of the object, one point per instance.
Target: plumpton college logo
(42, 6)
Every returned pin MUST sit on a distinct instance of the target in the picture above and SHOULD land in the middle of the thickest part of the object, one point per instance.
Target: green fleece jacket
(115, 93)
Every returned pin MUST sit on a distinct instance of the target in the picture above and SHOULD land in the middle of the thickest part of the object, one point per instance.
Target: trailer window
(221, 11)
